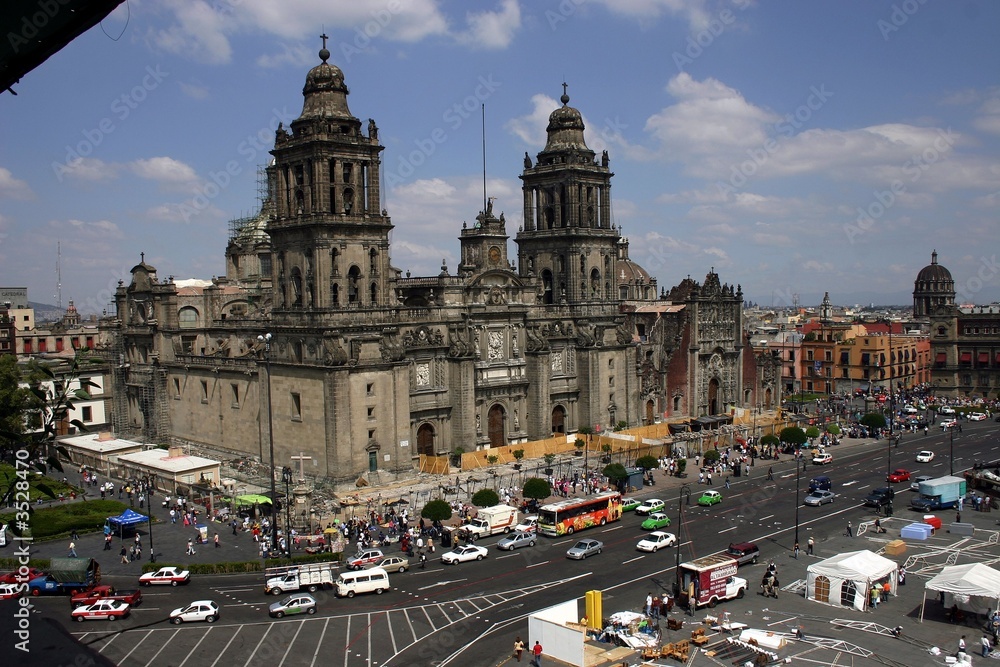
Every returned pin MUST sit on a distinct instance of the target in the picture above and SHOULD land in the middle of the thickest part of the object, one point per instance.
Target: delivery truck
(937, 494)
(311, 576)
(67, 575)
(708, 580)
(492, 520)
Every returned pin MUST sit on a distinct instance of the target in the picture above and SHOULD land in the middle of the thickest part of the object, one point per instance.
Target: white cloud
(194, 91)
(98, 229)
(89, 169)
(13, 188)
(695, 12)
(164, 170)
(988, 119)
(298, 55)
(492, 30)
(197, 34)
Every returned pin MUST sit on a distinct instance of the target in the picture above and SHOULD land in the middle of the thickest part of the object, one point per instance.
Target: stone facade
(368, 367)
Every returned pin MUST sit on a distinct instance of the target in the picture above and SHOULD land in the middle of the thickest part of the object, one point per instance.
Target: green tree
(647, 462)
(833, 429)
(615, 472)
(793, 435)
(769, 440)
(485, 498)
(436, 510)
(873, 420)
(47, 408)
(536, 488)
(15, 403)
(812, 433)
(712, 456)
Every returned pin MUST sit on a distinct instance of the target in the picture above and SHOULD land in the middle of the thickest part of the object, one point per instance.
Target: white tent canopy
(972, 587)
(845, 579)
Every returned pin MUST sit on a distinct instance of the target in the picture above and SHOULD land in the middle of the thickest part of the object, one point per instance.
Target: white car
(822, 459)
(946, 410)
(528, 525)
(910, 410)
(166, 575)
(650, 506)
(977, 416)
(948, 423)
(925, 456)
(462, 554)
(656, 540)
(200, 610)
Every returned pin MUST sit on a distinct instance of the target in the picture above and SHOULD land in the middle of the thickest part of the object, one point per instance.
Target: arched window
(353, 275)
(348, 200)
(187, 318)
(373, 261)
(296, 282)
(547, 287)
(373, 294)
(595, 283)
(335, 294)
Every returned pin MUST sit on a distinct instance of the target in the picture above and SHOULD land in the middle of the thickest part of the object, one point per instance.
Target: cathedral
(361, 368)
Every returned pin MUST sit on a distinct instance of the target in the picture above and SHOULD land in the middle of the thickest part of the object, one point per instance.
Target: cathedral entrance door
(495, 421)
(372, 461)
(559, 419)
(425, 440)
(713, 397)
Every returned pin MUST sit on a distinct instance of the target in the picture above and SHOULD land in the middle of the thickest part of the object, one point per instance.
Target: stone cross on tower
(301, 458)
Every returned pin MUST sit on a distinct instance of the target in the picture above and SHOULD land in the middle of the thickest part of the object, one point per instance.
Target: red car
(132, 597)
(12, 577)
(899, 475)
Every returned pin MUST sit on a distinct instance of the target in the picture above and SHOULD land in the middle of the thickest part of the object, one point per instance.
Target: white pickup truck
(311, 576)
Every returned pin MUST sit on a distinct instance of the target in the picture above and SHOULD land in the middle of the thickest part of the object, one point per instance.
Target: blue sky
(796, 147)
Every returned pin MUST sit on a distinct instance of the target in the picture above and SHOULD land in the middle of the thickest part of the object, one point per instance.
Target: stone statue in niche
(517, 422)
(479, 424)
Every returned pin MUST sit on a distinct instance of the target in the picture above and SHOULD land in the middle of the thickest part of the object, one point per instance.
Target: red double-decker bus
(568, 516)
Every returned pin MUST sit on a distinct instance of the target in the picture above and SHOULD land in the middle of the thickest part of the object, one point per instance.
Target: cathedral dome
(933, 287)
(325, 92)
(565, 128)
(934, 272)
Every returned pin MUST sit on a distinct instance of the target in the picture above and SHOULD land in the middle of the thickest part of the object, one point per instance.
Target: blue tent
(128, 518)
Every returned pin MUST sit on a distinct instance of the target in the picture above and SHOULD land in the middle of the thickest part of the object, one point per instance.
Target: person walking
(986, 645)
(190, 548)
(850, 529)
(215, 539)
(796, 550)
(810, 543)
(72, 549)
(770, 474)
(536, 652)
(727, 482)
(518, 648)
(649, 604)
(124, 554)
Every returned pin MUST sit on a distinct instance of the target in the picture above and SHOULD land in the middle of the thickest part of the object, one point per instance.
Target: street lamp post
(799, 465)
(286, 475)
(685, 489)
(152, 552)
(951, 450)
(266, 340)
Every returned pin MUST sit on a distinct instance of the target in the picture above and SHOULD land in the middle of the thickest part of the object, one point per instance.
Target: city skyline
(793, 149)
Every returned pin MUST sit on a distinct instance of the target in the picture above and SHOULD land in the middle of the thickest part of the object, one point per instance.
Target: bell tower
(329, 234)
(568, 240)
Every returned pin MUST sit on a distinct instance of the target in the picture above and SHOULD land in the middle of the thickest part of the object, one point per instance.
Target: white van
(362, 581)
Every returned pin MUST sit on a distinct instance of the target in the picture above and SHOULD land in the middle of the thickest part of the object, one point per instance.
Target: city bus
(568, 516)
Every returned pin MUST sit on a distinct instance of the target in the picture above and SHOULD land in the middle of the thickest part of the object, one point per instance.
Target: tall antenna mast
(485, 206)
(59, 274)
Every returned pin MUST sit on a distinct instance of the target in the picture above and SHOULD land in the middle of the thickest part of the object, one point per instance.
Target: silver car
(517, 540)
(585, 548)
(300, 603)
